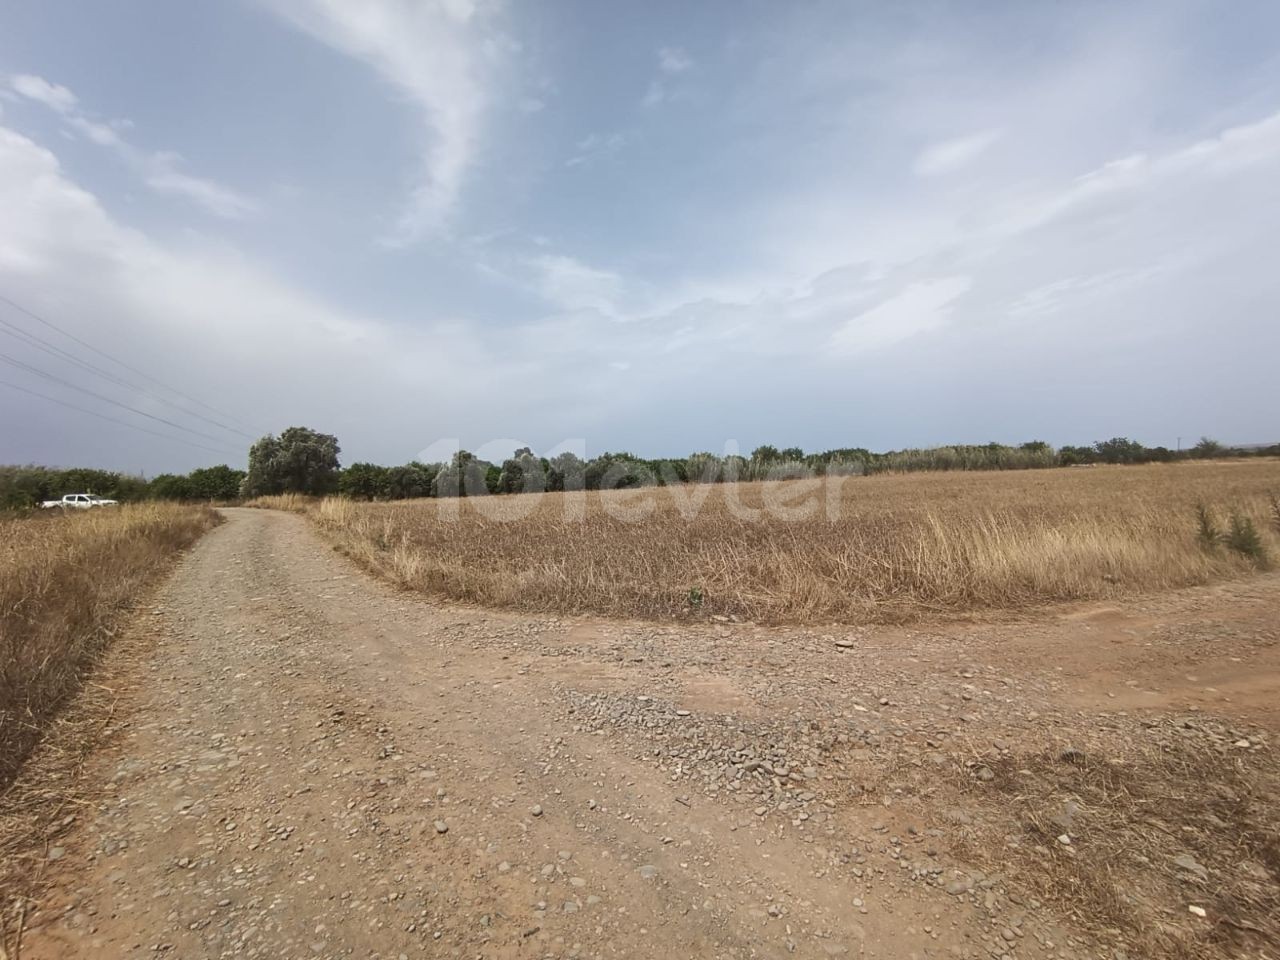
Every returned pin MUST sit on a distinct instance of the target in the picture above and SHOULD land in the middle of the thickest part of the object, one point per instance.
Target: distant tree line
(524, 471)
(1124, 450)
(207, 483)
(26, 486)
(301, 460)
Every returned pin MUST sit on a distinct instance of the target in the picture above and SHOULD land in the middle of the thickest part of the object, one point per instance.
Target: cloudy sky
(656, 228)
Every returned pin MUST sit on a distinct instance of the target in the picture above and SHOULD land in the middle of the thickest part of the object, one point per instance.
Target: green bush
(411, 481)
(364, 481)
(1243, 538)
(169, 486)
(215, 483)
(1208, 533)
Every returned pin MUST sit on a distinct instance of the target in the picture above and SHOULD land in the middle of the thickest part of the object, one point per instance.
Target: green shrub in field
(1243, 538)
(1208, 534)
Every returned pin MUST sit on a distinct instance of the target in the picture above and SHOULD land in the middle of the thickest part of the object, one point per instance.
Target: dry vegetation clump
(1167, 836)
(882, 548)
(292, 502)
(65, 580)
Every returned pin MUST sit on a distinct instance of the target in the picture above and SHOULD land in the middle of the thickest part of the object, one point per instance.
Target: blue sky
(656, 228)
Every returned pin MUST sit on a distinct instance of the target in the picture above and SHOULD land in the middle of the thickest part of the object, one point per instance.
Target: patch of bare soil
(316, 765)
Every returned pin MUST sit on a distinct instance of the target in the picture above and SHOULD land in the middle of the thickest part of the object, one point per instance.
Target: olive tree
(300, 460)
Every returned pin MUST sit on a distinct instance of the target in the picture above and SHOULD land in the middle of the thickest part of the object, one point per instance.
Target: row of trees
(1124, 450)
(301, 460)
(25, 486)
(207, 483)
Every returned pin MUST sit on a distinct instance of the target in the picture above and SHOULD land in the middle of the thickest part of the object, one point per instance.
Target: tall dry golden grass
(64, 583)
(887, 548)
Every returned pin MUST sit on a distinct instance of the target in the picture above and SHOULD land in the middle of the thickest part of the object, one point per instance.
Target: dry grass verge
(1164, 833)
(65, 582)
(883, 548)
(53, 792)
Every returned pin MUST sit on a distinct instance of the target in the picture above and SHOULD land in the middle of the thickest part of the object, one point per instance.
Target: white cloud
(103, 134)
(1131, 250)
(163, 177)
(1234, 150)
(674, 60)
(921, 307)
(57, 232)
(1054, 296)
(1078, 258)
(200, 314)
(573, 285)
(654, 94)
(159, 170)
(52, 95)
(439, 54)
(596, 146)
(951, 155)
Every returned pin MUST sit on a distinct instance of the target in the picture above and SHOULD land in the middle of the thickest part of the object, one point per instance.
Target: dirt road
(314, 765)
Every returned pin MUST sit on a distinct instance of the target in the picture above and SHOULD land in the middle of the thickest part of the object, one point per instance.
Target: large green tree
(464, 476)
(300, 460)
(1119, 450)
(522, 472)
(566, 471)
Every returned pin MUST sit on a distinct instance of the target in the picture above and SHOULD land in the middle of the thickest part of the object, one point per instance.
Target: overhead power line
(105, 399)
(103, 416)
(116, 360)
(31, 339)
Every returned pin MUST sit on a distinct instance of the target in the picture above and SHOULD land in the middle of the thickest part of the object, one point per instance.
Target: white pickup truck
(78, 501)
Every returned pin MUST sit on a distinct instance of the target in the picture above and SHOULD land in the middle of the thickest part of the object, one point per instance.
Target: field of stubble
(883, 548)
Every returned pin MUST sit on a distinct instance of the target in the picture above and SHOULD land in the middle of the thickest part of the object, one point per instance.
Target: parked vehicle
(78, 501)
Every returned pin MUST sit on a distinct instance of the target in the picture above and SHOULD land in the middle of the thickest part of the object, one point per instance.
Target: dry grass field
(883, 548)
(64, 582)
(1095, 780)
